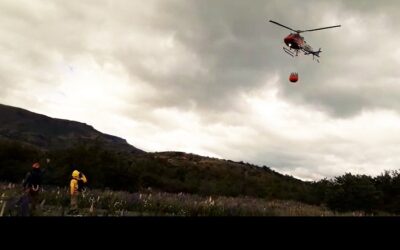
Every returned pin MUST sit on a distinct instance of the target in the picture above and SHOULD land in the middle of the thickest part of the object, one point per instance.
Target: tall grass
(55, 202)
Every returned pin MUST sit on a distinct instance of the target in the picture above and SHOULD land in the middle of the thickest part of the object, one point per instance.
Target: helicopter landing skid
(290, 53)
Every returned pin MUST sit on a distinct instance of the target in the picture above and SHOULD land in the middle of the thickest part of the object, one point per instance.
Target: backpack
(81, 186)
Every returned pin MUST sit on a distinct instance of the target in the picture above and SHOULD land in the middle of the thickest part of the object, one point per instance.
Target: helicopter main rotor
(302, 31)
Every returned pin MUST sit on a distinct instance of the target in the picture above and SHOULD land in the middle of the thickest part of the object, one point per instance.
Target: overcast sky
(210, 77)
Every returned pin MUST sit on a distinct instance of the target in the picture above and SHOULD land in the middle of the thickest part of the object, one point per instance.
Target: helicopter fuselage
(294, 41)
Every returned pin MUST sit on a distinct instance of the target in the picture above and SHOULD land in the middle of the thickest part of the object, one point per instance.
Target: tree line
(121, 171)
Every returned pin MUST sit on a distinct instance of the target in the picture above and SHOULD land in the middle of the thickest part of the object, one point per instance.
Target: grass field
(54, 201)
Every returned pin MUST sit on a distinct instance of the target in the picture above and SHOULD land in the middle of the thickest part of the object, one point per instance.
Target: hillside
(111, 162)
(48, 133)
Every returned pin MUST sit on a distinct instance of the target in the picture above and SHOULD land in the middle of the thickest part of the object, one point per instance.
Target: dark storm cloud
(230, 48)
(225, 48)
(228, 41)
(358, 68)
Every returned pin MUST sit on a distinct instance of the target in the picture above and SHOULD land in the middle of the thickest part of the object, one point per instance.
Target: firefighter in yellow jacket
(76, 185)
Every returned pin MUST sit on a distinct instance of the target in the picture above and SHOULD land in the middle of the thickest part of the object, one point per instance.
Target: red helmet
(36, 165)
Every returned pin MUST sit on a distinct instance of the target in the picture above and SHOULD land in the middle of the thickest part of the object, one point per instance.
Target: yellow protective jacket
(74, 186)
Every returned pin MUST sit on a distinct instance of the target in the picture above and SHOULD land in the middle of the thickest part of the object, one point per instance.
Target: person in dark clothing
(31, 185)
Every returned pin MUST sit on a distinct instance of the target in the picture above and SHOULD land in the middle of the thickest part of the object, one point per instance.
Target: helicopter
(297, 43)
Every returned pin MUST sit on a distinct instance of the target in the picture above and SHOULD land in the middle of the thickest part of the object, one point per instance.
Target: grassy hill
(47, 133)
(111, 163)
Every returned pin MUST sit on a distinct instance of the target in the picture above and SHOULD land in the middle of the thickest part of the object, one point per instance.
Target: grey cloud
(237, 47)
(228, 47)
